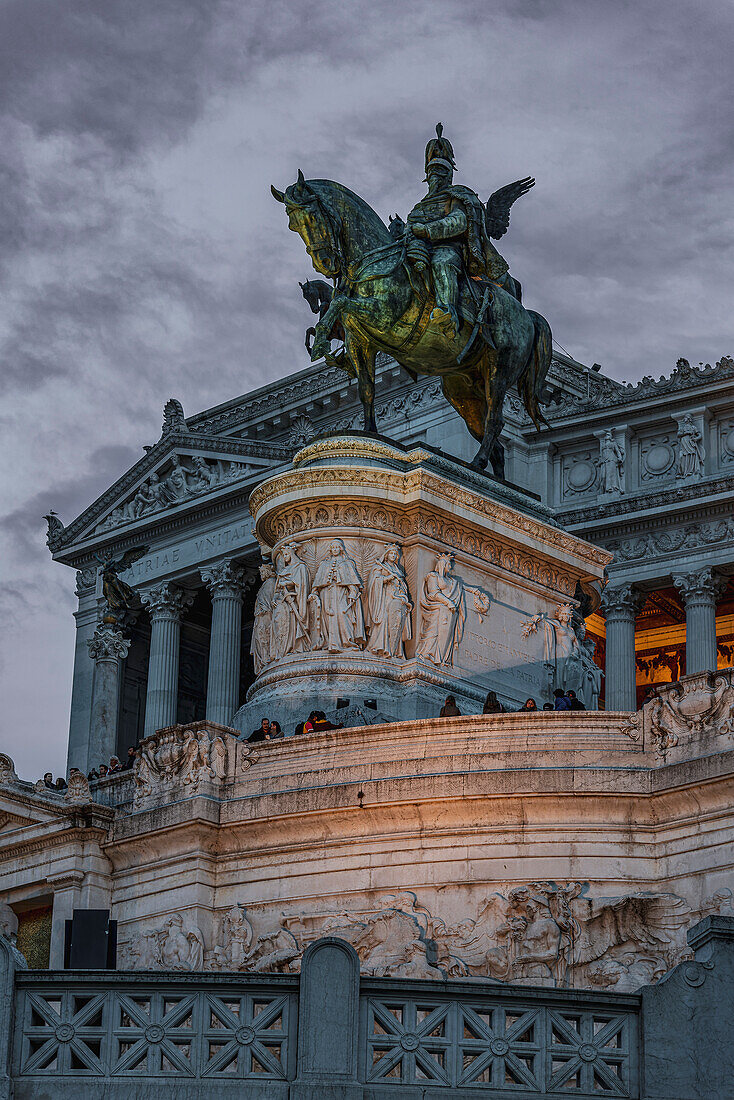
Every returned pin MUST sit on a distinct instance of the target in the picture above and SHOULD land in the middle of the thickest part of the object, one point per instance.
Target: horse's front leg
(323, 331)
(491, 449)
(362, 356)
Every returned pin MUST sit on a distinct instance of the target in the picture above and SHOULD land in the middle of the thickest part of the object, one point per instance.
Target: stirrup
(446, 320)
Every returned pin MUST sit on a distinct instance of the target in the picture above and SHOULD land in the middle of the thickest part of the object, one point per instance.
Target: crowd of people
(317, 722)
(563, 699)
(269, 730)
(115, 765)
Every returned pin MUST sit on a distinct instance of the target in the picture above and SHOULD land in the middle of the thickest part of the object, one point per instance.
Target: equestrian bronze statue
(433, 292)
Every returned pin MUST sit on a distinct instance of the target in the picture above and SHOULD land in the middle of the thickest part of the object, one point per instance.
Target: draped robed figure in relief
(443, 608)
(389, 606)
(289, 631)
(263, 618)
(336, 600)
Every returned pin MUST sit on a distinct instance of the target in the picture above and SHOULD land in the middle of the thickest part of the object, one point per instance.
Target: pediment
(179, 472)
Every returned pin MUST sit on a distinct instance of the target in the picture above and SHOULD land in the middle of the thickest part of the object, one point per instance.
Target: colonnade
(226, 582)
(166, 603)
(699, 592)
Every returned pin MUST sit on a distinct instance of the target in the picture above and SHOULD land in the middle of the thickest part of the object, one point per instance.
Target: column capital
(107, 645)
(702, 586)
(621, 601)
(166, 601)
(225, 580)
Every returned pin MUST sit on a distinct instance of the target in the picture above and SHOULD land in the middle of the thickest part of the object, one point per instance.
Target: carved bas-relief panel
(698, 708)
(579, 475)
(181, 761)
(657, 456)
(539, 933)
(385, 577)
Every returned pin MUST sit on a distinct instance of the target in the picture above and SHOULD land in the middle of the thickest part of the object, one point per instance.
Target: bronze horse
(381, 304)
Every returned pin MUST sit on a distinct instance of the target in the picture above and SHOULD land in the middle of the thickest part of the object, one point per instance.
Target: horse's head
(316, 222)
(337, 226)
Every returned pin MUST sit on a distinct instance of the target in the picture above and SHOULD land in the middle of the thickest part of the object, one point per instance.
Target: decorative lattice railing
(499, 1044)
(124, 1027)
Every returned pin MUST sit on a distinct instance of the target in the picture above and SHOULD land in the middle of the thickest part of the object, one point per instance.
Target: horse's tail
(531, 381)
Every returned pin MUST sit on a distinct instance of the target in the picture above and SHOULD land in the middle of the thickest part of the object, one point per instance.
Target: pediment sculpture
(185, 476)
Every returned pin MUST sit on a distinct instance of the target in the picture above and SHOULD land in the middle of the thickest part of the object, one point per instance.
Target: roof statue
(431, 291)
(118, 595)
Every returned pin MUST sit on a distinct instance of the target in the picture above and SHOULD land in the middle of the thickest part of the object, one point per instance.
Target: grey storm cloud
(142, 256)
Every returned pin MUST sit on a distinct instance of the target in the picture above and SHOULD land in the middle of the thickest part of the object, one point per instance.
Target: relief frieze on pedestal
(538, 933)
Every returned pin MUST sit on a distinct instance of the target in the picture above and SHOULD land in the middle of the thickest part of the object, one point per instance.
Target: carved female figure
(236, 934)
(177, 481)
(389, 606)
(337, 587)
(288, 633)
(690, 449)
(443, 607)
(612, 463)
(261, 630)
(205, 475)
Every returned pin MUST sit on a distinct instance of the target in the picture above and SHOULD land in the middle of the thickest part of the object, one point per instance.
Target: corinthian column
(620, 605)
(226, 584)
(107, 647)
(165, 603)
(699, 592)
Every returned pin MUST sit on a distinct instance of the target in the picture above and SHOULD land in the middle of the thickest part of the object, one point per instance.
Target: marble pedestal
(402, 576)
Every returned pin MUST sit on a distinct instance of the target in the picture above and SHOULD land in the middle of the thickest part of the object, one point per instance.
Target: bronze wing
(497, 210)
(130, 557)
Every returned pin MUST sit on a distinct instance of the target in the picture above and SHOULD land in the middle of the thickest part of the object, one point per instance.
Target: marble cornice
(309, 386)
(72, 834)
(301, 392)
(676, 496)
(373, 482)
(610, 395)
(179, 442)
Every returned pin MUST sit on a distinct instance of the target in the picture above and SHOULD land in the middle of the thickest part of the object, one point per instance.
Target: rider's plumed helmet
(440, 151)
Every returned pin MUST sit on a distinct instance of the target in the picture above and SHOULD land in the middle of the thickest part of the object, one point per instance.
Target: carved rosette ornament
(108, 645)
(166, 601)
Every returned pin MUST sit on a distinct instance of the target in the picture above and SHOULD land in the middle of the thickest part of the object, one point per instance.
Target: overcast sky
(142, 255)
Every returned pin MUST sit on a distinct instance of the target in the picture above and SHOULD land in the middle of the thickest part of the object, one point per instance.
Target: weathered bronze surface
(432, 291)
(119, 597)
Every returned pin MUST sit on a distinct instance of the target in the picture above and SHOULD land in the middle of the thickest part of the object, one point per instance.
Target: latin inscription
(191, 552)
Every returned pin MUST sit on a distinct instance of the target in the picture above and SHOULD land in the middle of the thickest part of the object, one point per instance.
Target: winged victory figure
(118, 595)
